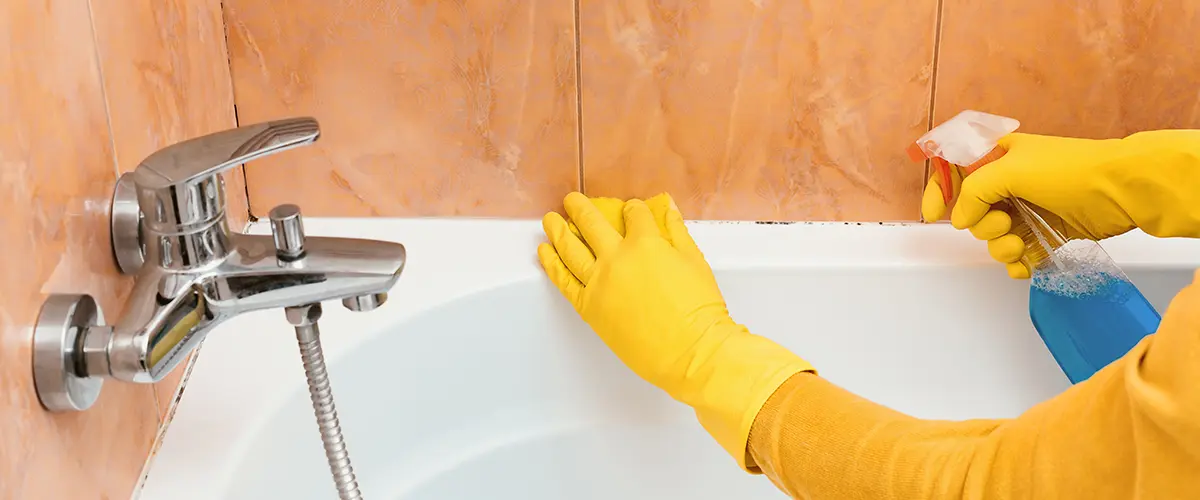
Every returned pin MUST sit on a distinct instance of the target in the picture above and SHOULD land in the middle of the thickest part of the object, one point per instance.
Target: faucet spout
(331, 269)
(171, 312)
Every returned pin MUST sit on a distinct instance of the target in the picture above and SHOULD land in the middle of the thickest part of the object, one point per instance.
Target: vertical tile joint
(937, 52)
(112, 138)
(241, 170)
(579, 96)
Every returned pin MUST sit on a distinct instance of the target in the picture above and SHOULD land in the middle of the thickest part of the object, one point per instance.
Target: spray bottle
(1084, 307)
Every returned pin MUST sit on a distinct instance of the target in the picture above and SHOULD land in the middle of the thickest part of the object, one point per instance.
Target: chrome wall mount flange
(59, 371)
(125, 219)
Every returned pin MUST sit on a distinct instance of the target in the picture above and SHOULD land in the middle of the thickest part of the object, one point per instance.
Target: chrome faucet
(170, 229)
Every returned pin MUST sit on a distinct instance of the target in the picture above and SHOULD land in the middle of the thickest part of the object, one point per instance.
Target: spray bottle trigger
(945, 178)
(940, 166)
(915, 153)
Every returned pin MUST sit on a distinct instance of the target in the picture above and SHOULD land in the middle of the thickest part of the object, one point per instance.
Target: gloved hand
(652, 298)
(613, 211)
(1084, 188)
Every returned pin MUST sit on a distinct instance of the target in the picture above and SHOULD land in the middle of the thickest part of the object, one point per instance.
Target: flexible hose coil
(309, 338)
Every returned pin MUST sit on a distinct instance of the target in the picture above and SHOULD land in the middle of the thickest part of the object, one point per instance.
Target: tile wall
(758, 109)
(87, 92)
(1086, 68)
(426, 107)
(755, 109)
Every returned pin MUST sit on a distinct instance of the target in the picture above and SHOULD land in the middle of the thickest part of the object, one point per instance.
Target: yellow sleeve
(1131, 431)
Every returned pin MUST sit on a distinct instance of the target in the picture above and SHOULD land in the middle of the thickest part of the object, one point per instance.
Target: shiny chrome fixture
(169, 228)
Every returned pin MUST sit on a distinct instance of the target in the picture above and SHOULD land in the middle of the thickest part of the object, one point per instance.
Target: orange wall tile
(57, 169)
(1084, 69)
(427, 108)
(763, 109)
(166, 76)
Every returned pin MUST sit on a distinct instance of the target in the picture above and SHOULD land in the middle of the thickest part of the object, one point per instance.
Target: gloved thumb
(980, 190)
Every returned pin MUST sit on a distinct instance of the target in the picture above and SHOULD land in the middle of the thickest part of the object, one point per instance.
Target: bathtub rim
(510, 259)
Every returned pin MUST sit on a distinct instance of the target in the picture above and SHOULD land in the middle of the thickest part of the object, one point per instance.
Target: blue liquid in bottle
(1089, 319)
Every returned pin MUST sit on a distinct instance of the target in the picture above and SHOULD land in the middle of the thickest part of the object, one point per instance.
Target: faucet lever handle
(208, 155)
(178, 190)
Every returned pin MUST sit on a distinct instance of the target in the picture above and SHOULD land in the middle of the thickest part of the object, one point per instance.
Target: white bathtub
(476, 380)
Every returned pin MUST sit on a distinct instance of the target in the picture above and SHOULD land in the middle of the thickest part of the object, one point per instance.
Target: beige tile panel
(427, 108)
(1084, 69)
(166, 75)
(764, 109)
(56, 173)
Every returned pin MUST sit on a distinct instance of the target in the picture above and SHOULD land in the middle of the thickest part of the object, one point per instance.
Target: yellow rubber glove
(1131, 431)
(613, 211)
(652, 298)
(1084, 188)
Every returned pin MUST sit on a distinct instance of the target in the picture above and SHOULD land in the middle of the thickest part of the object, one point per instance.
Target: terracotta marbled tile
(763, 109)
(56, 173)
(426, 108)
(1084, 69)
(166, 74)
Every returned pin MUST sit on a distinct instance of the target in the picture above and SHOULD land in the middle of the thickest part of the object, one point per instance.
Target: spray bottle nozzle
(964, 140)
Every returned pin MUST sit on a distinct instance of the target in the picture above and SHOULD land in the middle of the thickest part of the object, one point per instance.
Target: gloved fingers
(570, 225)
(639, 221)
(933, 203)
(994, 224)
(933, 206)
(562, 277)
(660, 204)
(570, 249)
(677, 231)
(611, 208)
(979, 191)
(1017, 270)
(1010, 141)
(596, 231)
(1007, 249)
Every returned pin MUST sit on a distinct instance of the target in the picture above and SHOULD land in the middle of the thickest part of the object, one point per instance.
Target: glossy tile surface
(166, 75)
(1076, 68)
(57, 169)
(763, 109)
(426, 108)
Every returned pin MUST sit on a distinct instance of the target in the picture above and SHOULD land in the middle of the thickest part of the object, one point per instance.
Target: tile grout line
(233, 96)
(112, 138)
(579, 95)
(937, 52)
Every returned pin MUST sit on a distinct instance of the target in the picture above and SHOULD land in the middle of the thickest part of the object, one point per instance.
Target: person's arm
(1130, 431)
(648, 293)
